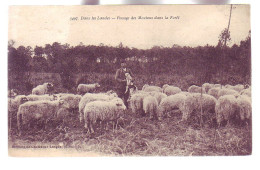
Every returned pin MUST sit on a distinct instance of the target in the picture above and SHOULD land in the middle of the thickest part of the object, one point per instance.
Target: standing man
(122, 83)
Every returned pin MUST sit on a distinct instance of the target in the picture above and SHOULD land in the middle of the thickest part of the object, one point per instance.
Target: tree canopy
(203, 62)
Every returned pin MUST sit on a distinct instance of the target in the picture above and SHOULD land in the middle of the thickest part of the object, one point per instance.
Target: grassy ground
(139, 136)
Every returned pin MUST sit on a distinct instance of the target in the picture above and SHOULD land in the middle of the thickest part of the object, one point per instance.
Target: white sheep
(226, 108)
(62, 113)
(214, 92)
(148, 88)
(202, 105)
(13, 105)
(32, 111)
(158, 95)
(171, 103)
(136, 102)
(247, 86)
(150, 106)
(89, 97)
(246, 92)
(71, 100)
(111, 93)
(225, 91)
(103, 111)
(12, 93)
(41, 97)
(245, 107)
(42, 89)
(196, 89)
(228, 86)
(218, 86)
(185, 93)
(238, 87)
(144, 86)
(171, 90)
(164, 86)
(207, 86)
(87, 88)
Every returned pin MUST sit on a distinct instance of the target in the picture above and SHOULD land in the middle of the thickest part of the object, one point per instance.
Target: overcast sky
(198, 25)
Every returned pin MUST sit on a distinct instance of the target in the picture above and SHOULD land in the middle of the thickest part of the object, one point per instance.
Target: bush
(107, 83)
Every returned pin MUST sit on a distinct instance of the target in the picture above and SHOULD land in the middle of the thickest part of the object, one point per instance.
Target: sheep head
(24, 99)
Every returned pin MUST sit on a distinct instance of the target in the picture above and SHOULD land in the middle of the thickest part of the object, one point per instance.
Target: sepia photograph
(132, 80)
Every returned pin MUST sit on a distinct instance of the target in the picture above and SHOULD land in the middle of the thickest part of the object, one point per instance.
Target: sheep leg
(218, 124)
(113, 126)
(21, 129)
(20, 133)
(150, 116)
(80, 117)
(106, 127)
(142, 112)
(228, 123)
(247, 126)
(201, 113)
(116, 123)
(89, 129)
(88, 126)
(92, 127)
(19, 125)
(101, 127)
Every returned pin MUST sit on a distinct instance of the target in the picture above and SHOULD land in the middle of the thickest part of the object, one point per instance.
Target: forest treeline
(203, 62)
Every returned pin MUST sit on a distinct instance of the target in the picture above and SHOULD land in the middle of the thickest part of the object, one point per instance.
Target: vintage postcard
(129, 80)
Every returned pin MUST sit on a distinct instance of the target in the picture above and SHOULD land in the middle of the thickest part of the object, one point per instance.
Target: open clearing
(139, 136)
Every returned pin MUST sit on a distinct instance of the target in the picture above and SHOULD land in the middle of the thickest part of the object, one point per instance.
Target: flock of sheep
(209, 102)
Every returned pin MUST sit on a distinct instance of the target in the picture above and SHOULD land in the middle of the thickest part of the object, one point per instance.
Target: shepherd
(124, 79)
